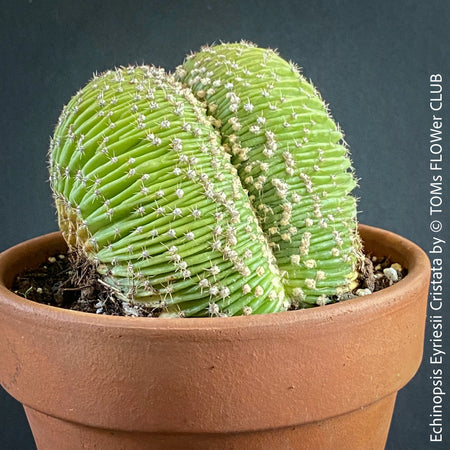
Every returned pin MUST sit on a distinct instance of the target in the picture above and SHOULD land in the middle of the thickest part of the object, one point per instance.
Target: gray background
(371, 60)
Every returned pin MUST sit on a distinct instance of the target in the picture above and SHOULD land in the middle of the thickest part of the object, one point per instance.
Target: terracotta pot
(313, 379)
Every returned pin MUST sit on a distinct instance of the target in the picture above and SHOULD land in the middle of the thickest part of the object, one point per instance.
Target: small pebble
(391, 274)
(61, 256)
(39, 290)
(98, 305)
(397, 267)
(51, 259)
(377, 267)
(362, 292)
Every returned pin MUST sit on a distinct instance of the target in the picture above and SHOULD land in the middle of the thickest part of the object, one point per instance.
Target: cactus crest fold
(290, 157)
(146, 192)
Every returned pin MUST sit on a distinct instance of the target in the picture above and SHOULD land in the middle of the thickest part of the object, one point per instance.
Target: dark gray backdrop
(371, 60)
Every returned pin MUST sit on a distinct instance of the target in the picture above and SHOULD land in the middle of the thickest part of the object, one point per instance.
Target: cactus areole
(221, 190)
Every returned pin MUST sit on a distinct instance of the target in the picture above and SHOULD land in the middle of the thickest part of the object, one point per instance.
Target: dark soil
(69, 283)
(378, 273)
(57, 283)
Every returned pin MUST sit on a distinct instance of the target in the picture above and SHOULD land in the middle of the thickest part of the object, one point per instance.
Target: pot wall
(288, 372)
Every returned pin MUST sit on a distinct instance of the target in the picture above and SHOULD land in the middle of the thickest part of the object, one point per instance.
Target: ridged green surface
(289, 155)
(144, 189)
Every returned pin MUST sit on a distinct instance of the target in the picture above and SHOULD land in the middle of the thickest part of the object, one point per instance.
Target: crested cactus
(291, 159)
(223, 189)
(146, 193)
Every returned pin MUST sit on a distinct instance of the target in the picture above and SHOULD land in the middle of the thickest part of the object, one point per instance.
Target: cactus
(291, 159)
(221, 190)
(145, 192)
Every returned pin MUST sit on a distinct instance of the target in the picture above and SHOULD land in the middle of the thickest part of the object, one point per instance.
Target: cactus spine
(289, 155)
(145, 191)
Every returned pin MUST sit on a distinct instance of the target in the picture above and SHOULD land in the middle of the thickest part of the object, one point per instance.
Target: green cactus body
(145, 191)
(288, 153)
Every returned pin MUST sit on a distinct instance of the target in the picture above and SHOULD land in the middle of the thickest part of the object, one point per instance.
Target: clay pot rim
(382, 300)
